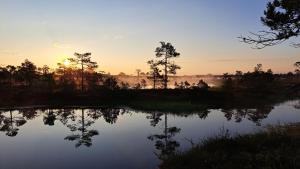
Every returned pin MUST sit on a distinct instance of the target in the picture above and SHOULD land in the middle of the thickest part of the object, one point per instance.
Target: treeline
(64, 78)
(71, 77)
(79, 74)
(260, 81)
(77, 81)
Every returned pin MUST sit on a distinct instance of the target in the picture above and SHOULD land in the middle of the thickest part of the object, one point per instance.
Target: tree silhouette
(124, 85)
(84, 60)
(44, 70)
(282, 17)
(166, 52)
(67, 76)
(27, 72)
(143, 84)
(12, 71)
(258, 68)
(202, 85)
(138, 71)
(46, 77)
(154, 73)
(110, 83)
(4, 75)
(297, 65)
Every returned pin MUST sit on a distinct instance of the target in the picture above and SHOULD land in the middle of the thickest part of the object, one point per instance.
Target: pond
(120, 138)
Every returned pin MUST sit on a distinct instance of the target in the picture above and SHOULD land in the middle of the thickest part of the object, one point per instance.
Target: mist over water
(212, 81)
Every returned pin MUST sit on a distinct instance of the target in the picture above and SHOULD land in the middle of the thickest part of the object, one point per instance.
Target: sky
(122, 34)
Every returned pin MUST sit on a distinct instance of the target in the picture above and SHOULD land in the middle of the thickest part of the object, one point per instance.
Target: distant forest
(80, 74)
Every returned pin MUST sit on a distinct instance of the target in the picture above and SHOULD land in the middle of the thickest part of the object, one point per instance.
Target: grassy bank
(277, 148)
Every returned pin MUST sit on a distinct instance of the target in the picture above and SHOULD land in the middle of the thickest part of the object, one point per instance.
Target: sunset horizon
(47, 33)
(149, 84)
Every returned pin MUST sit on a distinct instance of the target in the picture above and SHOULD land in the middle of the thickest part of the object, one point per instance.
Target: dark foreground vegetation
(27, 85)
(277, 148)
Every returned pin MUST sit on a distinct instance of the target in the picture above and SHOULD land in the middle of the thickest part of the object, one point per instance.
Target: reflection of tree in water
(10, 123)
(110, 115)
(29, 114)
(63, 115)
(254, 115)
(297, 105)
(165, 142)
(82, 124)
(203, 113)
(155, 118)
(80, 129)
(49, 117)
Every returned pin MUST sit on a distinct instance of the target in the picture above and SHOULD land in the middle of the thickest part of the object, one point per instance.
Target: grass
(277, 148)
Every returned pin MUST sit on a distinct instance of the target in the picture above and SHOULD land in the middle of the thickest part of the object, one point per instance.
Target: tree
(227, 82)
(258, 68)
(202, 85)
(12, 71)
(297, 65)
(44, 70)
(187, 85)
(138, 71)
(238, 73)
(143, 83)
(282, 17)
(46, 77)
(67, 76)
(84, 60)
(111, 83)
(154, 73)
(27, 72)
(4, 74)
(137, 86)
(124, 85)
(122, 74)
(166, 52)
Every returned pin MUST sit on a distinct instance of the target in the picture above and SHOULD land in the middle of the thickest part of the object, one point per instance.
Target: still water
(120, 138)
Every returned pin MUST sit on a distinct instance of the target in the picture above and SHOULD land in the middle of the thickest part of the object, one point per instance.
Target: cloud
(61, 45)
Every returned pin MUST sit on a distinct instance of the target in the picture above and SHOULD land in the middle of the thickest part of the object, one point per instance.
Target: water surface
(120, 138)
